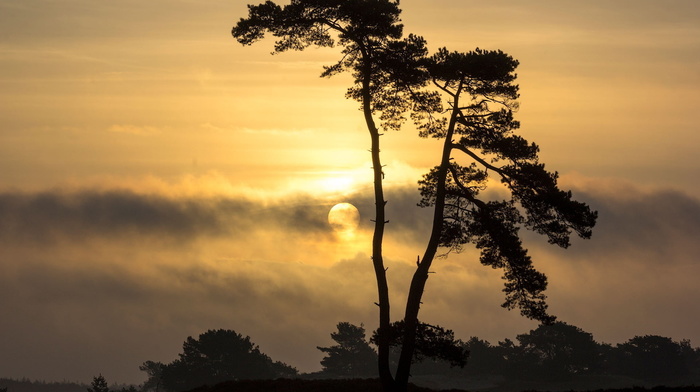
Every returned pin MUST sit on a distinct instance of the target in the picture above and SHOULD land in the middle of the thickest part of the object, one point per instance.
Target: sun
(344, 219)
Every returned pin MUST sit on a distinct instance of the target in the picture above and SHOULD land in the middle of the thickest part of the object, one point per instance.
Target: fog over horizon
(111, 278)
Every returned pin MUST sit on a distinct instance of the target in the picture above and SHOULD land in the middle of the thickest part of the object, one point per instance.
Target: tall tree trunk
(377, 258)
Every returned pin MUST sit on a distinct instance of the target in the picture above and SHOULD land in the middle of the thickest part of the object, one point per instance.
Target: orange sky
(148, 162)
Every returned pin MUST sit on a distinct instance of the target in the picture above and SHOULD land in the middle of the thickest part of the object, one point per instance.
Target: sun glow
(337, 183)
(340, 184)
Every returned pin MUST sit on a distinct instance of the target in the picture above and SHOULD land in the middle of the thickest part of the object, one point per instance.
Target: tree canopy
(99, 384)
(472, 111)
(220, 355)
(154, 371)
(351, 356)
(555, 351)
(653, 357)
(479, 126)
(382, 62)
(432, 342)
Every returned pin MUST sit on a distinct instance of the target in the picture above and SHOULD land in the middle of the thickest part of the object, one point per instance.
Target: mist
(101, 280)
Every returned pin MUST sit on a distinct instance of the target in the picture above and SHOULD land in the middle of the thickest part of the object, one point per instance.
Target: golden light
(336, 184)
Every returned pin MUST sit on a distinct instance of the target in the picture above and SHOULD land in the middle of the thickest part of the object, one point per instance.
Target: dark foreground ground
(369, 385)
(283, 385)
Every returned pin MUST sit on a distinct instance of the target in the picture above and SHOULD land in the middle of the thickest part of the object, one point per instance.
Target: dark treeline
(26, 385)
(561, 352)
(551, 357)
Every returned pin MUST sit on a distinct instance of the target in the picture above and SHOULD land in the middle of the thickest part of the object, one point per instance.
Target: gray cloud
(404, 216)
(47, 217)
(666, 218)
(661, 225)
(652, 222)
(110, 315)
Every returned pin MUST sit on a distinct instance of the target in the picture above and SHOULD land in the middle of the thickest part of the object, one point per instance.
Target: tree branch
(479, 159)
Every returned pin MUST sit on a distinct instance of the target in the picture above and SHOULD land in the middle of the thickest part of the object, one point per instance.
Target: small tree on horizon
(99, 384)
(217, 356)
(352, 356)
(556, 351)
(652, 357)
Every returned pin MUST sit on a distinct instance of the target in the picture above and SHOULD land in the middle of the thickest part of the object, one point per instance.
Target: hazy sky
(157, 180)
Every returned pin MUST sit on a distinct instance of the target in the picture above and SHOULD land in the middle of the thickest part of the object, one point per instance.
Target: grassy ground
(373, 385)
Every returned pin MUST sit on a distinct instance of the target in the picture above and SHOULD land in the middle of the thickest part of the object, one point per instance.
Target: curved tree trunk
(420, 277)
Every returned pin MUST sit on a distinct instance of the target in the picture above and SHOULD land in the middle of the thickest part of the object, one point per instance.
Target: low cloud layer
(100, 281)
(57, 216)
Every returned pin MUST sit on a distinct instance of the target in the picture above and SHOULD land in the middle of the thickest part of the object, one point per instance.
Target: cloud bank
(98, 281)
